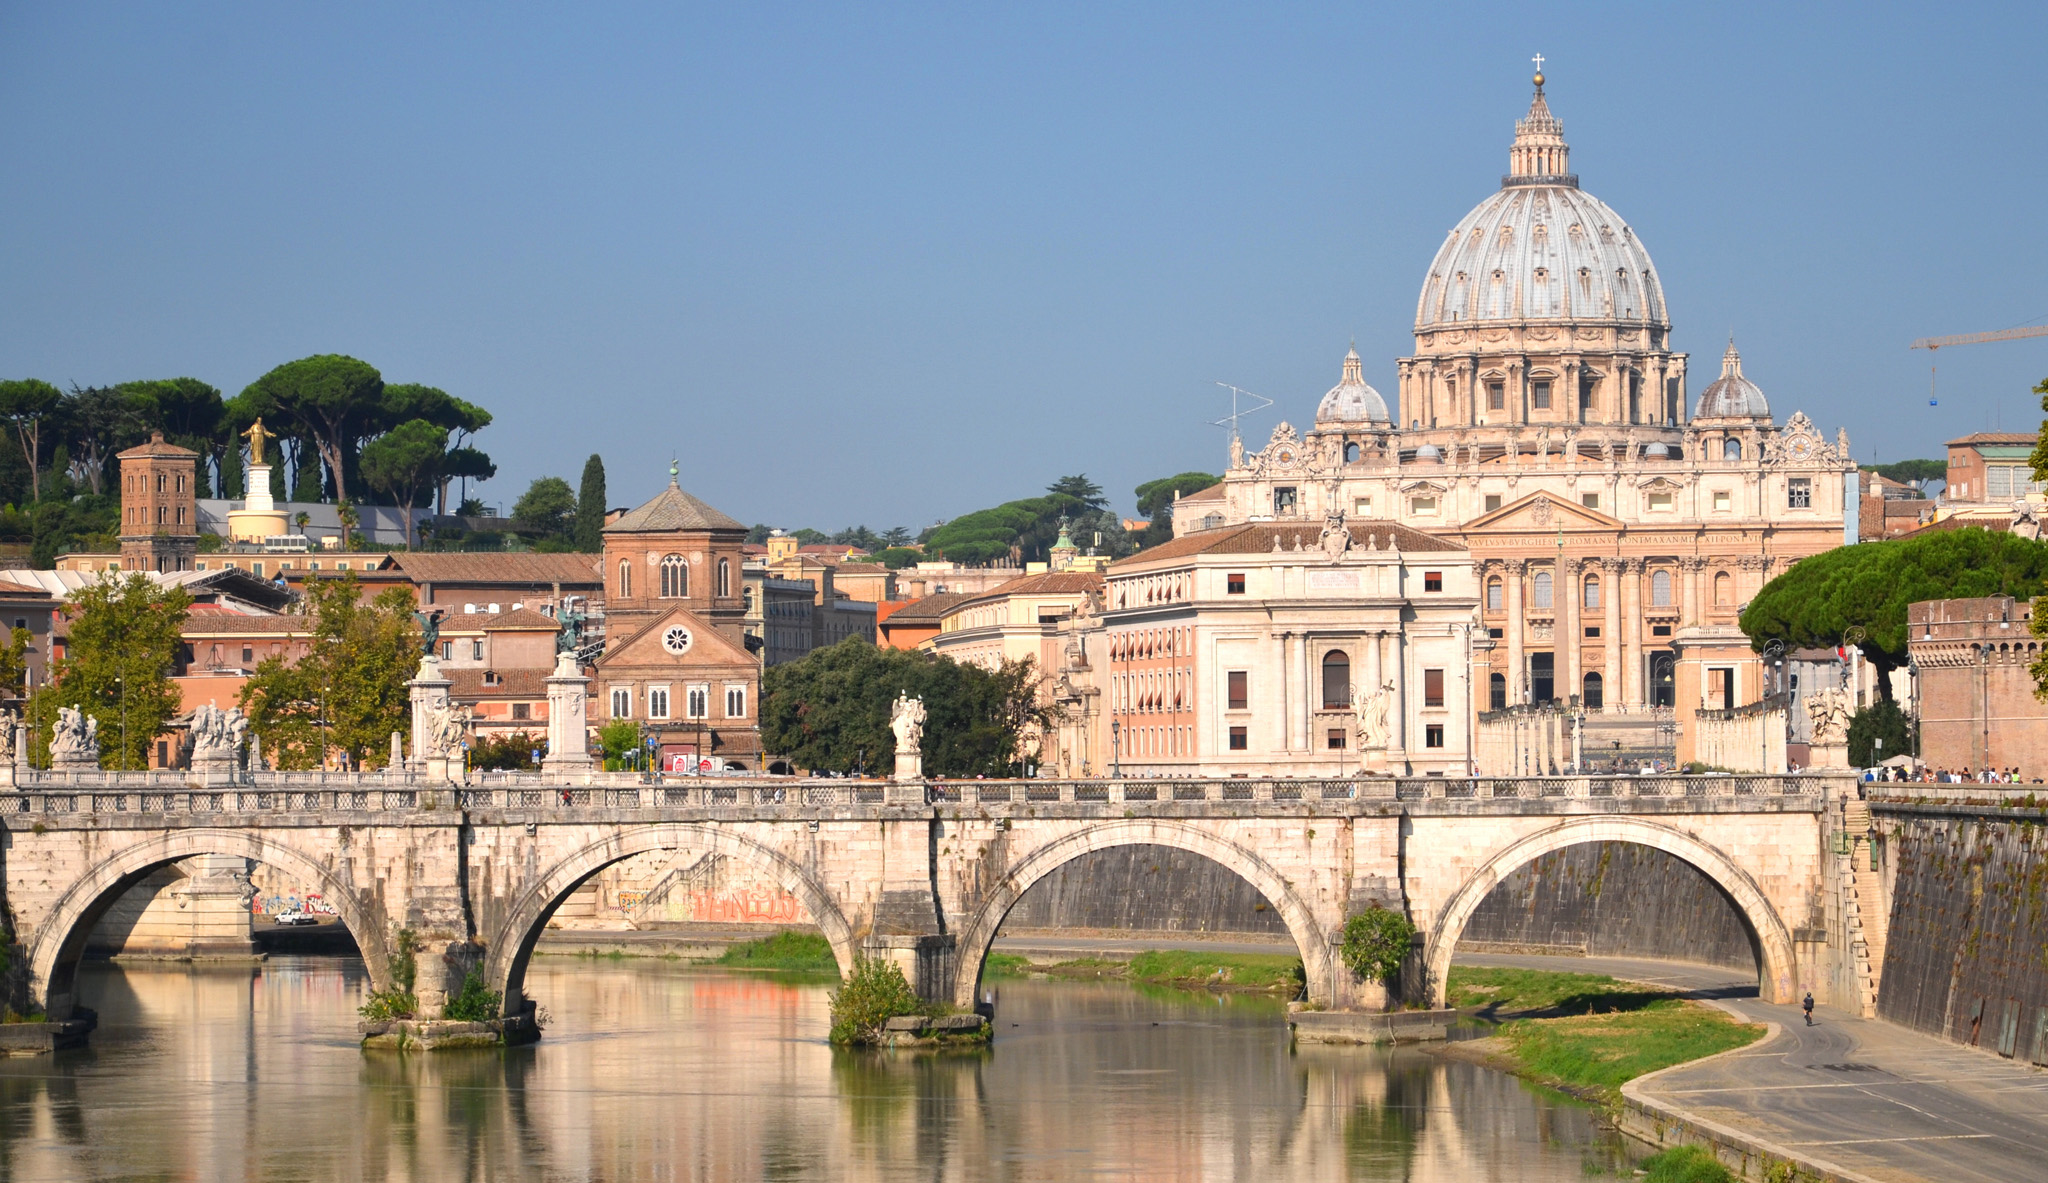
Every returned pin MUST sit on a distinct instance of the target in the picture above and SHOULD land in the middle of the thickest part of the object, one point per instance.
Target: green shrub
(873, 994)
(474, 1004)
(808, 951)
(1685, 1164)
(385, 1005)
(1376, 941)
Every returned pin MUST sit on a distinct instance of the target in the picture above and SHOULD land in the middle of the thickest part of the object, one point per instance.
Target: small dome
(1351, 400)
(1732, 396)
(1429, 452)
(1658, 452)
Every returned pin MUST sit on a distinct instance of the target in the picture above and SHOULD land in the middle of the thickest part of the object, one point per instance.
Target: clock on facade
(676, 640)
(1801, 448)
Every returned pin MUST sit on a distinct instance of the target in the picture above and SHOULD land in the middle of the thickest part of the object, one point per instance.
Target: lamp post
(122, 684)
(1116, 749)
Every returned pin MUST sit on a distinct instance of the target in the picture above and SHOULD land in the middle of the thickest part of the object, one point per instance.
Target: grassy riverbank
(1275, 973)
(804, 952)
(1587, 1034)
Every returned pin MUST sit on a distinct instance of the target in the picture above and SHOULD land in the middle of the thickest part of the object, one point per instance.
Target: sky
(884, 265)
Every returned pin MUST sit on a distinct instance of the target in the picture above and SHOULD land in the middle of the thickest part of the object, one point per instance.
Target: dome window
(1731, 449)
(1350, 453)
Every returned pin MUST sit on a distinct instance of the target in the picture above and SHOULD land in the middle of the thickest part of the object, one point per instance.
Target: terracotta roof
(1212, 493)
(521, 570)
(155, 447)
(930, 608)
(671, 510)
(486, 622)
(1257, 538)
(1995, 437)
(228, 624)
(861, 568)
(1047, 583)
(469, 683)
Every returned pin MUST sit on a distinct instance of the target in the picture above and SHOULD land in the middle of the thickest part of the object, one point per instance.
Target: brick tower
(159, 506)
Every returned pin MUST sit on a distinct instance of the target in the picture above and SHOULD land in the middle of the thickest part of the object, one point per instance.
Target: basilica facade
(1542, 424)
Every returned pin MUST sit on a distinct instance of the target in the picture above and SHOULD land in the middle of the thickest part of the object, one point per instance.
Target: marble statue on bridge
(217, 738)
(906, 719)
(74, 741)
(1369, 708)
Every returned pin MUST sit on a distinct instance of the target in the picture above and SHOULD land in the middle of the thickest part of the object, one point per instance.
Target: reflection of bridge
(920, 873)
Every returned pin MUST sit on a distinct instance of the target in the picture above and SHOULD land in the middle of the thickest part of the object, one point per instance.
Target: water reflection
(654, 1072)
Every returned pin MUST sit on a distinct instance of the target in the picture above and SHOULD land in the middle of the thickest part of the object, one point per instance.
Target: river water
(650, 1071)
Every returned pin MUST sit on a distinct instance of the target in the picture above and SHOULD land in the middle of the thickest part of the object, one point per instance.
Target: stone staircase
(1863, 912)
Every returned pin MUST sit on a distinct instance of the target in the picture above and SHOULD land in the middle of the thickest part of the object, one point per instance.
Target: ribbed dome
(1351, 400)
(1541, 248)
(1732, 396)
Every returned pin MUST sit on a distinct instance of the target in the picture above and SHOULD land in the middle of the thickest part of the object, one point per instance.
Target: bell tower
(159, 506)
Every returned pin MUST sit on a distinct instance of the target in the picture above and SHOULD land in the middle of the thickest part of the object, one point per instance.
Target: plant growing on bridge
(1376, 942)
(473, 1003)
(348, 692)
(873, 994)
(125, 632)
(399, 1002)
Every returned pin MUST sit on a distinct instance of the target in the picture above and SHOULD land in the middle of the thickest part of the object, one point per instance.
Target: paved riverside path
(1867, 1096)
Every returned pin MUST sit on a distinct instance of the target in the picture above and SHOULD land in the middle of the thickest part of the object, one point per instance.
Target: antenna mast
(1229, 422)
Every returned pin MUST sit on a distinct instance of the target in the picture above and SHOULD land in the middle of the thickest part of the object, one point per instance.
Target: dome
(1351, 400)
(1541, 248)
(1732, 396)
(1658, 451)
(1429, 452)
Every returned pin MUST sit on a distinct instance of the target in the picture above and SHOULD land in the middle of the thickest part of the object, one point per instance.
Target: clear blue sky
(895, 263)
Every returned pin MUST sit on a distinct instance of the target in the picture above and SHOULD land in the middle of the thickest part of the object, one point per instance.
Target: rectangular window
(1283, 500)
(1493, 595)
(1432, 581)
(622, 702)
(700, 702)
(1593, 630)
(256, 568)
(1240, 682)
(1334, 739)
(1539, 395)
(1998, 481)
(1492, 502)
(1721, 500)
(1590, 500)
(1432, 688)
(735, 702)
(1433, 735)
(1362, 507)
(1660, 630)
(476, 649)
(447, 651)
(1659, 502)
(1422, 506)
(1233, 583)
(1799, 493)
(522, 710)
(248, 654)
(1239, 739)
(657, 702)
(1496, 396)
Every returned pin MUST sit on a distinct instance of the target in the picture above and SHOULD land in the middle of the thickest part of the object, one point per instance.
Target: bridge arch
(980, 932)
(60, 936)
(511, 945)
(1777, 970)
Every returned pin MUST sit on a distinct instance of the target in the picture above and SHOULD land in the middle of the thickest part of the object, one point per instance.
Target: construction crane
(1931, 344)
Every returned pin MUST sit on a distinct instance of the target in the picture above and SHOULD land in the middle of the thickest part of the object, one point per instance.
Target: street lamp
(1116, 749)
(122, 683)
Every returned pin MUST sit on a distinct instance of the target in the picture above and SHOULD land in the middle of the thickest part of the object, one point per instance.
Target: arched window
(1724, 590)
(159, 482)
(1592, 591)
(1660, 589)
(625, 578)
(724, 578)
(1731, 449)
(1542, 590)
(1497, 692)
(675, 577)
(1336, 679)
(1350, 453)
(1493, 595)
(1590, 695)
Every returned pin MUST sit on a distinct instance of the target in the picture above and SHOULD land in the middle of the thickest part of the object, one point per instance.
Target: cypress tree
(231, 472)
(590, 506)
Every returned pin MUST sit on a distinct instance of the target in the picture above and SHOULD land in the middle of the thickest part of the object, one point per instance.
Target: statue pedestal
(909, 766)
(1831, 756)
(429, 690)
(438, 768)
(1373, 761)
(80, 763)
(259, 517)
(568, 715)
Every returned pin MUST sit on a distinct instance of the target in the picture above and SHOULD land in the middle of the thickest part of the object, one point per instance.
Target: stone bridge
(921, 873)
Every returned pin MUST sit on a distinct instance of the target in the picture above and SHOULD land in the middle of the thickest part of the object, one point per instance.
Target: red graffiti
(758, 906)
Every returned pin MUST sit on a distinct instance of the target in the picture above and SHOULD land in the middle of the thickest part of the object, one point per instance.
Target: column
(1515, 569)
(1695, 586)
(1567, 646)
(1286, 692)
(1304, 686)
(1397, 712)
(1610, 633)
(1632, 612)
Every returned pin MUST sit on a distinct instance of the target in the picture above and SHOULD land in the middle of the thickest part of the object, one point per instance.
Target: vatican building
(1545, 427)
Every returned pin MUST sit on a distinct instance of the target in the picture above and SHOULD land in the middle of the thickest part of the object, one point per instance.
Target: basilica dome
(1541, 248)
(1732, 396)
(1351, 400)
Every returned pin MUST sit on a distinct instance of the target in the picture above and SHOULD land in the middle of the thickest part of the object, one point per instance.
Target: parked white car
(294, 917)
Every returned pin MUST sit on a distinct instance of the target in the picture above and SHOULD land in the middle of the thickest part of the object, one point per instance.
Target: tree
(858, 536)
(125, 632)
(510, 753)
(349, 692)
(101, 420)
(189, 412)
(830, 710)
(1016, 530)
(1155, 496)
(14, 663)
(1911, 472)
(335, 397)
(895, 536)
(469, 464)
(1081, 489)
(25, 404)
(1821, 599)
(406, 463)
(619, 742)
(590, 506)
(895, 558)
(1880, 720)
(547, 509)
(404, 402)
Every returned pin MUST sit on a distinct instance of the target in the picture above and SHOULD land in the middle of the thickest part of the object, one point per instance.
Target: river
(651, 1071)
